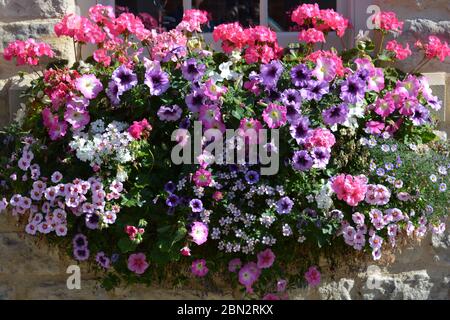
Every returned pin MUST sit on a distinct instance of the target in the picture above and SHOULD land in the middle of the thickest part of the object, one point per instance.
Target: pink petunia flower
(89, 86)
(248, 275)
(137, 263)
(199, 268)
(274, 115)
(199, 232)
(313, 276)
(202, 178)
(265, 259)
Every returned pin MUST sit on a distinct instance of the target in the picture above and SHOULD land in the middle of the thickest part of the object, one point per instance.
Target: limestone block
(11, 10)
(17, 87)
(20, 255)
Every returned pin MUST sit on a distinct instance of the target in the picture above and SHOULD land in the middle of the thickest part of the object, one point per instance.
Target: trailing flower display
(88, 161)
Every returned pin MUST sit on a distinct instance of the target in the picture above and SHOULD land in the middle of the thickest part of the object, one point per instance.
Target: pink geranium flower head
(137, 263)
(199, 268)
(137, 129)
(349, 188)
(265, 259)
(311, 36)
(387, 21)
(199, 232)
(320, 137)
(313, 276)
(89, 86)
(27, 52)
(274, 115)
(185, 251)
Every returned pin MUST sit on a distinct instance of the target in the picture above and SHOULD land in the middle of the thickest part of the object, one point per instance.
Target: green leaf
(126, 245)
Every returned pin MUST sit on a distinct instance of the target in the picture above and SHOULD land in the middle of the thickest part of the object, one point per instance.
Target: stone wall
(29, 269)
(422, 18)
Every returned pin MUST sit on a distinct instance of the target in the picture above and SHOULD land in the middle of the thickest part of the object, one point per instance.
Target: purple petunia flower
(113, 92)
(302, 161)
(79, 241)
(192, 71)
(292, 113)
(336, 114)
(300, 129)
(301, 75)
(81, 254)
(363, 74)
(270, 73)
(252, 177)
(284, 205)
(92, 220)
(157, 80)
(195, 100)
(353, 90)
(169, 113)
(196, 205)
(291, 97)
(315, 90)
(321, 156)
(172, 200)
(420, 116)
(170, 187)
(185, 123)
(103, 260)
(125, 78)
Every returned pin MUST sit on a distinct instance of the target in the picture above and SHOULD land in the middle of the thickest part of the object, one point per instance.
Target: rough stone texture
(33, 270)
(29, 269)
(11, 10)
(422, 18)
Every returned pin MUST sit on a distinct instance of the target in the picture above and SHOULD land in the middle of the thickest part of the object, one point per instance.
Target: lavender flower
(172, 200)
(301, 75)
(125, 78)
(420, 116)
(321, 156)
(81, 254)
(169, 113)
(336, 114)
(157, 80)
(353, 90)
(252, 177)
(92, 220)
(291, 97)
(195, 100)
(270, 73)
(302, 161)
(79, 241)
(170, 187)
(192, 71)
(103, 260)
(315, 90)
(113, 92)
(300, 129)
(284, 205)
(196, 205)
(292, 113)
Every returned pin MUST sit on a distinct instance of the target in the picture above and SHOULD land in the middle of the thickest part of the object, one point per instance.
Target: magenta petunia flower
(265, 259)
(137, 263)
(248, 275)
(234, 264)
(274, 115)
(202, 178)
(199, 268)
(313, 276)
